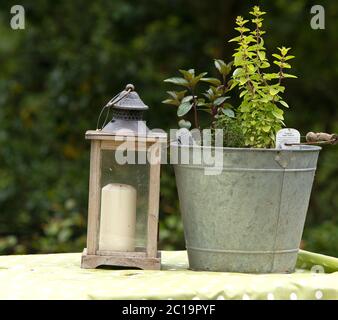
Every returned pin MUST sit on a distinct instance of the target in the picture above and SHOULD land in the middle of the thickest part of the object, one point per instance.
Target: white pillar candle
(118, 218)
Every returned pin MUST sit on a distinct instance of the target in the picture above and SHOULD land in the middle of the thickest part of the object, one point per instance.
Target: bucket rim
(298, 148)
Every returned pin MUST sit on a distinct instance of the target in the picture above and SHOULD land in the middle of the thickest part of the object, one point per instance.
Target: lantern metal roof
(127, 108)
(129, 99)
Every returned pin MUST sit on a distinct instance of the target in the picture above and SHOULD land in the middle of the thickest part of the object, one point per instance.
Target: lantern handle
(115, 99)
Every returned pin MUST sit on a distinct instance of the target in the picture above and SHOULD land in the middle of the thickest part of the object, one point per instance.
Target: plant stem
(195, 109)
(279, 80)
(196, 117)
(280, 75)
(214, 111)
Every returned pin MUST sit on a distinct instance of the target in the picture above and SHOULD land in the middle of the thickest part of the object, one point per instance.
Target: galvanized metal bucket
(250, 217)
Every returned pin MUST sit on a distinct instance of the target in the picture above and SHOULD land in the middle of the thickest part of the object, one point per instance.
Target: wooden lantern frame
(149, 258)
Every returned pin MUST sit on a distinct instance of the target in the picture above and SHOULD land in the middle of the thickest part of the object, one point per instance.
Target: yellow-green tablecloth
(59, 276)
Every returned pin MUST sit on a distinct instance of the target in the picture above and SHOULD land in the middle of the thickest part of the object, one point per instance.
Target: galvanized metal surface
(249, 218)
(128, 109)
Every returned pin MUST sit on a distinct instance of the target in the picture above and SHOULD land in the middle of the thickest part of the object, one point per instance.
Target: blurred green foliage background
(75, 55)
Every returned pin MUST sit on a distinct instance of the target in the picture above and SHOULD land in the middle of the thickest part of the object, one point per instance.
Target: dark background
(74, 56)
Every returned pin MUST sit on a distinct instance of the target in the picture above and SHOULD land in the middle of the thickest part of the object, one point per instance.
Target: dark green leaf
(171, 101)
(187, 99)
(178, 81)
(220, 100)
(177, 94)
(196, 79)
(228, 112)
(223, 68)
(188, 74)
(201, 103)
(184, 108)
(213, 81)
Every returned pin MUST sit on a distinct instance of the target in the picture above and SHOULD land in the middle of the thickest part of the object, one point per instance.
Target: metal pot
(250, 217)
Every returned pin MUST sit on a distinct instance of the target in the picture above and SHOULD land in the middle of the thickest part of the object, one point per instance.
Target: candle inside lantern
(118, 218)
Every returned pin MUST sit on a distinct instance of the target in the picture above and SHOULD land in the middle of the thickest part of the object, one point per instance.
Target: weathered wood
(153, 202)
(94, 197)
(122, 254)
(101, 135)
(149, 257)
(94, 261)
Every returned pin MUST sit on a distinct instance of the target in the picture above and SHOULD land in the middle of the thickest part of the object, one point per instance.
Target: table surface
(59, 276)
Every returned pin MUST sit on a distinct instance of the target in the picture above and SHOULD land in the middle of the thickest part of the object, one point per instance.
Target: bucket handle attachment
(283, 162)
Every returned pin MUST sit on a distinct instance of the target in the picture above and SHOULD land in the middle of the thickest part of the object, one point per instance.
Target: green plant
(258, 114)
(260, 91)
(232, 132)
(213, 100)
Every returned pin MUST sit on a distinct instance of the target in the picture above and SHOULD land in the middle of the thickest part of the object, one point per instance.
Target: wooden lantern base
(121, 259)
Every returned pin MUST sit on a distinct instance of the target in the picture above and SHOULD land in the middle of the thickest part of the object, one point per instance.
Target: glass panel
(124, 194)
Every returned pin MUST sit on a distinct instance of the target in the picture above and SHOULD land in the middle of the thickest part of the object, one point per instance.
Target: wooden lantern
(124, 197)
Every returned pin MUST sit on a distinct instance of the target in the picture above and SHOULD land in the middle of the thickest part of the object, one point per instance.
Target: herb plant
(213, 100)
(232, 132)
(259, 116)
(259, 112)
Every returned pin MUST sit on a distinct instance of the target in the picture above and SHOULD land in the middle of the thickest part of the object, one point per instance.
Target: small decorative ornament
(124, 187)
(286, 137)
